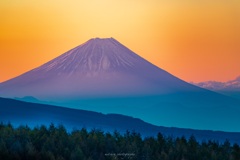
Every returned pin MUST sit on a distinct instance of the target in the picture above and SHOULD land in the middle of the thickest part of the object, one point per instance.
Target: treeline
(55, 143)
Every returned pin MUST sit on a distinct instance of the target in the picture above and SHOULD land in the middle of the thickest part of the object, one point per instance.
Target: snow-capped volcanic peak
(96, 55)
(98, 67)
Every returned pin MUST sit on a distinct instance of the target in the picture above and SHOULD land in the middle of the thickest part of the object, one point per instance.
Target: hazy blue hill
(31, 114)
(195, 110)
(28, 99)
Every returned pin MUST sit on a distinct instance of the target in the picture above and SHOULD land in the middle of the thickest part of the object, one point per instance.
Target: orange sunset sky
(193, 40)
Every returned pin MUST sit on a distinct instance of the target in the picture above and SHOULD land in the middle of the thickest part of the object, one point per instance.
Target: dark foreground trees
(55, 143)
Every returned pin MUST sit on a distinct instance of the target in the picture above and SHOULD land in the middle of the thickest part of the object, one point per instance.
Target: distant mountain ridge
(229, 88)
(215, 86)
(32, 114)
(102, 75)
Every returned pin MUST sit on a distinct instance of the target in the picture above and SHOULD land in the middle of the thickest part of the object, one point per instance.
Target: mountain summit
(93, 57)
(103, 75)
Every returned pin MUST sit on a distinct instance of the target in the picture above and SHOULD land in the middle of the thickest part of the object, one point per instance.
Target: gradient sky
(194, 40)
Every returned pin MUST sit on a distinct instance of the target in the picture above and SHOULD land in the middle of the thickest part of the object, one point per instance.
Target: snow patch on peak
(105, 63)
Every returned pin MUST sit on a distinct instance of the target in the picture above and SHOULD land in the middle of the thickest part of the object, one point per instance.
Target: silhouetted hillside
(31, 114)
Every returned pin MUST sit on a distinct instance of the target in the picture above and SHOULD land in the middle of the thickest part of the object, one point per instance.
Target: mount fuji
(97, 68)
(103, 75)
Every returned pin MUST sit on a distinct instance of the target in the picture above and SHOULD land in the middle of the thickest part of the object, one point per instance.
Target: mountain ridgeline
(229, 88)
(103, 75)
(32, 114)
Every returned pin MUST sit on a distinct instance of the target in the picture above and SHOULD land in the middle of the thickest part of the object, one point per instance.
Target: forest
(56, 143)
